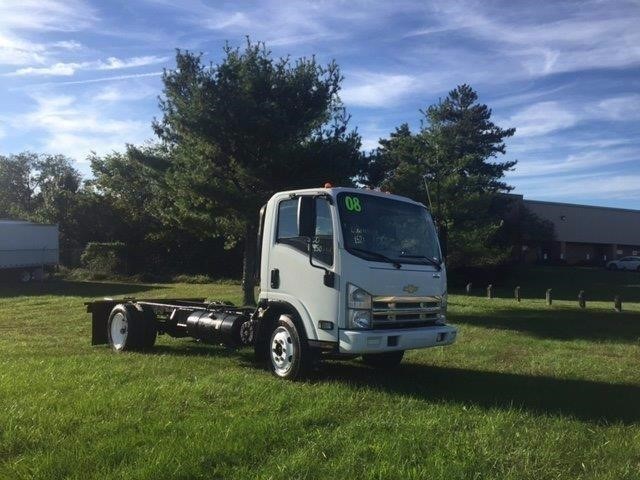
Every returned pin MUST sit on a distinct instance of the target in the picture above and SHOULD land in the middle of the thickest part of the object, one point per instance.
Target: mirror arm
(329, 276)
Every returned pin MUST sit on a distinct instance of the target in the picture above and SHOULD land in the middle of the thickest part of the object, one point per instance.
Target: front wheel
(613, 266)
(289, 354)
(383, 360)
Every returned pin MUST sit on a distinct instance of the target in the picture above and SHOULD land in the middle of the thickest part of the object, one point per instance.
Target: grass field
(528, 392)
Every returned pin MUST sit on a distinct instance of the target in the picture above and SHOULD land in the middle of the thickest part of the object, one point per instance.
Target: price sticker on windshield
(353, 204)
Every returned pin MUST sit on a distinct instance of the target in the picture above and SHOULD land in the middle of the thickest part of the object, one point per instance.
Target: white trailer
(26, 248)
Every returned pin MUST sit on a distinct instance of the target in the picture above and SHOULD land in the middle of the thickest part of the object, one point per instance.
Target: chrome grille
(405, 312)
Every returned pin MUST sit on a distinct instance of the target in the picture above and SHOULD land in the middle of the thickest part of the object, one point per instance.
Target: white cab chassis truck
(343, 272)
(27, 248)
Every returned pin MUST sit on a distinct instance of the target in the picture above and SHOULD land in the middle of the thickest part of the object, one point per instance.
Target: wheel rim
(283, 351)
(25, 276)
(119, 331)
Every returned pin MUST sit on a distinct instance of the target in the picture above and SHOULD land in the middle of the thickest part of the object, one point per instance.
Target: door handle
(436, 275)
(275, 278)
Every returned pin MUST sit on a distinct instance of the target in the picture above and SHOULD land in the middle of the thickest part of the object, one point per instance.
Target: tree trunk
(248, 263)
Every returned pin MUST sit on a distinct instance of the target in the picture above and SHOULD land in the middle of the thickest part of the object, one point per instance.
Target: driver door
(296, 281)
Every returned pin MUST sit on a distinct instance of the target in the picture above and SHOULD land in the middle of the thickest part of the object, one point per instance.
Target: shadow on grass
(585, 400)
(87, 290)
(193, 348)
(561, 324)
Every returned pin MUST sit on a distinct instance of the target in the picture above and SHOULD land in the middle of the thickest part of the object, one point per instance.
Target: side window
(287, 231)
(288, 225)
(323, 240)
(287, 219)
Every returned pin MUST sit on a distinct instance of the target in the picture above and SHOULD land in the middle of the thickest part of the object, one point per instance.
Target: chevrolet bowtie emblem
(410, 288)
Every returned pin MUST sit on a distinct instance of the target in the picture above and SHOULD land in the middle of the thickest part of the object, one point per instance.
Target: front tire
(383, 360)
(613, 266)
(289, 353)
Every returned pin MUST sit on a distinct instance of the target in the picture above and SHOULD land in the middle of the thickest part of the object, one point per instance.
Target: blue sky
(83, 75)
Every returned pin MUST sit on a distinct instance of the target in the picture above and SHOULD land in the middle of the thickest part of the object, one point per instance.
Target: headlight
(358, 298)
(358, 307)
(359, 318)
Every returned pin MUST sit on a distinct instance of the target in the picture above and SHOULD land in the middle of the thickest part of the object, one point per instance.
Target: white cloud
(542, 165)
(20, 17)
(67, 45)
(57, 69)
(542, 118)
(76, 126)
(99, 79)
(114, 63)
(367, 89)
(17, 51)
(547, 117)
(595, 187)
(623, 108)
(68, 69)
(120, 93)
(41, 15)
(538, 42)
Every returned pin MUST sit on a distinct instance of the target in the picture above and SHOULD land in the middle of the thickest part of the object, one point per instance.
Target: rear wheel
(24, 276)
(130, 329)
(289, 354)
(383, 360)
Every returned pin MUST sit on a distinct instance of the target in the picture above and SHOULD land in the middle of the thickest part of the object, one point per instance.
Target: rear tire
(383, 360)
(24, 276)
(289, 353)
(130, 329)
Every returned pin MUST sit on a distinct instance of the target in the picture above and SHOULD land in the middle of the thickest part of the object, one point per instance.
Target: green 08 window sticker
(353, 204)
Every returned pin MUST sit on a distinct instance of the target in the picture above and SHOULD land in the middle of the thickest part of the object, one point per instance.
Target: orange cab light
(328, 185)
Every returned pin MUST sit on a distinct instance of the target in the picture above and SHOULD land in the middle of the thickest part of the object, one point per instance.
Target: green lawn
(528, 392)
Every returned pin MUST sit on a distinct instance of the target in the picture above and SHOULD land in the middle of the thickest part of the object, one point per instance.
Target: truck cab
(349, 272)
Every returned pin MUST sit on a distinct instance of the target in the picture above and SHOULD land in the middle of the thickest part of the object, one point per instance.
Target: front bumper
(379, 341)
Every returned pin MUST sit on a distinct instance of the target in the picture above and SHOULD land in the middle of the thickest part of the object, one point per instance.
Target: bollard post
(468, 288)
(516, 294)
(490, 291)
(548, 297)
(582, 301)
(617, 303)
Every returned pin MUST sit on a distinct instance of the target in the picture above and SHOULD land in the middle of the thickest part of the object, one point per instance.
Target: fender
(287, 304)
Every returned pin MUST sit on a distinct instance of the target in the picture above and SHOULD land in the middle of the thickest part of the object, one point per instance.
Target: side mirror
(306, 217)
(329, 276)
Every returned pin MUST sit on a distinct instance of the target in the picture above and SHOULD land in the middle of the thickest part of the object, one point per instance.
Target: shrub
(104, 258)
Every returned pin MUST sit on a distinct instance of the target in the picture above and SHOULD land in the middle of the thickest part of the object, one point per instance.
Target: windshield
(375, 227)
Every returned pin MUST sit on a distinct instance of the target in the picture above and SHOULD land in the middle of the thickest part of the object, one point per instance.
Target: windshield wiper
(377, 255)
(429, 260)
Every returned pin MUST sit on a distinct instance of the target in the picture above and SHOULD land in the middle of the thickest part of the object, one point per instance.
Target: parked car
(625, 263)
